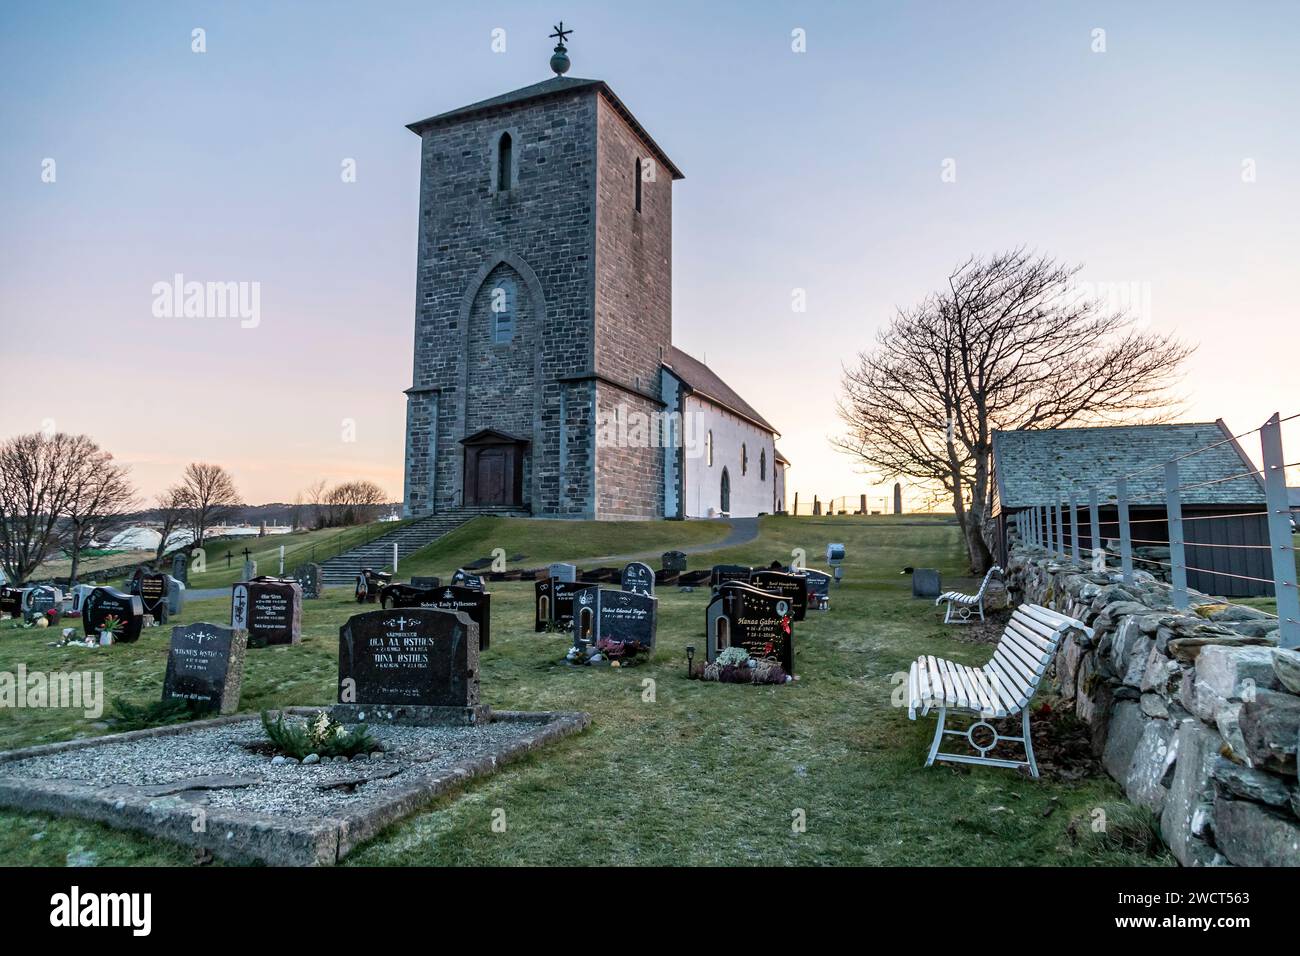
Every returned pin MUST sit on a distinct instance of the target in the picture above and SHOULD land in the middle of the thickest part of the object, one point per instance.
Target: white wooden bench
(966, 605)
(1001, 688)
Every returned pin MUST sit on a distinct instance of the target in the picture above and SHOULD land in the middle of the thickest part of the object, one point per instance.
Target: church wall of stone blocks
(543, 307)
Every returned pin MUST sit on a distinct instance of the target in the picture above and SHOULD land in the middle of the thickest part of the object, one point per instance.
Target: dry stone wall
(1196, 713)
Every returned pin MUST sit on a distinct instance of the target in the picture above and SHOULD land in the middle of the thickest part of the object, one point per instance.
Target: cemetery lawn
(699, 774)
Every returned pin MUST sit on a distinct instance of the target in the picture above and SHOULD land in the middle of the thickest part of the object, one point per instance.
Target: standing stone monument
(741, 616)
(564, 572)
(39, 599)
(466, 579)
(627, 616)
(153, 591)
(926, 583)
(250, 569)
(108, 608)
(410, 665)
(792, 587)
(477, 604)
(175, 595)
(723, 573)
(898, 498)
(181, 567)
(11, 600)
(269, 609)
(309, 577)
(205, 666)
(673, 561)
(638, 577)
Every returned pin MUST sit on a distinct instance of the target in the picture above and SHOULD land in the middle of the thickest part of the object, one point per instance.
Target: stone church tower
(543, 305)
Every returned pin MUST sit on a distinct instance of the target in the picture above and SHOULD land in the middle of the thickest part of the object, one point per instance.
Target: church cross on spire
(560, 59)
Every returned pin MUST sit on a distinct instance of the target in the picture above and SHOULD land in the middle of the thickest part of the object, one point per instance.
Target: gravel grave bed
(212, 785)
(227, 774)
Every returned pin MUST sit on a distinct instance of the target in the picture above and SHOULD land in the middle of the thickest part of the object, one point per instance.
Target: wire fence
(1243, 546)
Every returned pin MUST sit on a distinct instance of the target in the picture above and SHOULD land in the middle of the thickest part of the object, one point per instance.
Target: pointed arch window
(762, 464)
(744, 459)
(708, 448)
(638, 184)
(503, 300)
(505, 162)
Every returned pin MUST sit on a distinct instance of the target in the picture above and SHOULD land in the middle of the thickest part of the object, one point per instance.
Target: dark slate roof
(780, 457)
(702, 380)
(555, 86)
(1032, 465)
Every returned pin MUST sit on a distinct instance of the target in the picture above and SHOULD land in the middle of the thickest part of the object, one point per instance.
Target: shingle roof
(1033, 466)
(702, 380)
(780, 457)
(555, 86)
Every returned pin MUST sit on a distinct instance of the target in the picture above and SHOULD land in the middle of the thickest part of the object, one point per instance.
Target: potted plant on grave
(108, 629)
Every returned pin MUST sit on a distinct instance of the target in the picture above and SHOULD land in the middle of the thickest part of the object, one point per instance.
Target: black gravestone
(418, 657)
(627, 616)
(638, 577)
(673, 561)
(11, 600)
(181, 567)
(819, 588)
(154, 592)
(543, 604)
(570, 598)
(308, 577)
(723, 573)
(760, 622)
(464, 579)
(792, 587)
(39, 599)
(477, 604)
(269, 609)
(205, 666)
(110, 609)
(426, 582)
(926, 583)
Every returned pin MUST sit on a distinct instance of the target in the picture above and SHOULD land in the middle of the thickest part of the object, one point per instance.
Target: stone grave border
(244, 836)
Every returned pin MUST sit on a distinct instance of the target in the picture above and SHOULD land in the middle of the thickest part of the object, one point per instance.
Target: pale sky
(818, 170)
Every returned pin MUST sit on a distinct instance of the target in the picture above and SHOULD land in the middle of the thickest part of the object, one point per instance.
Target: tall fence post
(1094, 525)
(1177, 551)
(1074, 528)
(1037, 528)
(1060, 527)
(1049, 526)
(1279, 533)
(1125, 530)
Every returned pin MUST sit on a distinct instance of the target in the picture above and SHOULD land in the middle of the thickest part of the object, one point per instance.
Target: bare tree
(352, 502)
(172, 513)
(38, 474)
(315, 496)
(209, 494)
(1009, 344)
(100, 498)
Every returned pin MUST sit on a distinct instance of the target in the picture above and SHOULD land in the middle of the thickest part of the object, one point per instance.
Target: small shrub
(733, 657)
(129, 716)
(1128, 828)
(321, 735)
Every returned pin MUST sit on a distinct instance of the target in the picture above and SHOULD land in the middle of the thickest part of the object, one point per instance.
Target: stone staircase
(341, 570)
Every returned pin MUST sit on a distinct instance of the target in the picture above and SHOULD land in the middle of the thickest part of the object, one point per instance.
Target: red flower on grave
(769, 648)
(785, 623)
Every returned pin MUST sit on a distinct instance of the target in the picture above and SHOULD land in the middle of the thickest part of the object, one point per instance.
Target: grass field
(671, 772)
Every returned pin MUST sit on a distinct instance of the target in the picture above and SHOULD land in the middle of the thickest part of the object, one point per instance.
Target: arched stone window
(504, 167)
(762, 465)
(724, 493)
(744, 459)
(503, 301)
(638, 184)
(708, 448)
